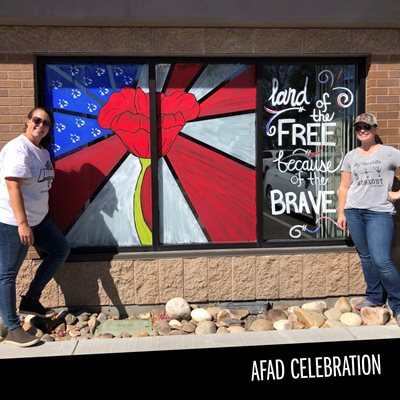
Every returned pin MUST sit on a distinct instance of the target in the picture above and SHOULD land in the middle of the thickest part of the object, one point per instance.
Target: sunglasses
(365, 127)
(38, 121)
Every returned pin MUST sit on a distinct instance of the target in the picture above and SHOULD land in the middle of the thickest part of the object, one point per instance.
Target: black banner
(222, 370)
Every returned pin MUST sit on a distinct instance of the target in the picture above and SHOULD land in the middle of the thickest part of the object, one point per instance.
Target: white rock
(236, 329)
(28, 318)
(174, 323)
(292, 318)
(331, 323)
(343, 305)
(282, 325)
(333, 314)
(178, 308)
(318, 305)
(200, 315)
(351, 319)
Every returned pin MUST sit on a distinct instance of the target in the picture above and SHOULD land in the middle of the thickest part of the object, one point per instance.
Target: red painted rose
(128, 114)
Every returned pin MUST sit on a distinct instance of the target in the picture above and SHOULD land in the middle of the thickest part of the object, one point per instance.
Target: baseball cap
(367, 118)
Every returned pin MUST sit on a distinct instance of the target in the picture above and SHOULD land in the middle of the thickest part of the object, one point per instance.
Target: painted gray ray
(111, 78)
(143, 81)
(161, 74)
(141, 72)
(213, 75)
(234, 135)
(177, 222)
(108, 221)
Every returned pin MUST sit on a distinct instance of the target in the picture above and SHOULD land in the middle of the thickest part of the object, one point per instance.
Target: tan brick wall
(383, 96)
(16, 94)
(203, 279)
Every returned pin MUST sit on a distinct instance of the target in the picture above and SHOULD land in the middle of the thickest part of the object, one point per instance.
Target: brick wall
(207, 278)
(16, 94)
(383, 99)
(383, 96)
(202, 279)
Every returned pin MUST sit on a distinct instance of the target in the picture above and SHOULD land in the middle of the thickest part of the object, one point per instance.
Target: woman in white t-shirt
(26, 174)
(366, 207)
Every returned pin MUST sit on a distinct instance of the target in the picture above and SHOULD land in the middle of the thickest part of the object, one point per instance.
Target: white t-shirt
(371, 178)
(20, 158)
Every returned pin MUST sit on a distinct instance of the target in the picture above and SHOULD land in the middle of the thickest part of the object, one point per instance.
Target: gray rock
(70, 319)
(205, 327)
(236, 329)
(261, 324)
(276, 315)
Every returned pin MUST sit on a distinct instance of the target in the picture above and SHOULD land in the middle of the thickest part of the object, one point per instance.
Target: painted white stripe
(108, 221)
(234, 135)
(213, 75)
(177, 223)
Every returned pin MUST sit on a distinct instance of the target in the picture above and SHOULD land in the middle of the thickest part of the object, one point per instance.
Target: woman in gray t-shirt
(366, 208)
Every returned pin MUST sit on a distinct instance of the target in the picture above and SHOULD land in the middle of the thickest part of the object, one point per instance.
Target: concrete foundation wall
(203, 279)
(253, 276)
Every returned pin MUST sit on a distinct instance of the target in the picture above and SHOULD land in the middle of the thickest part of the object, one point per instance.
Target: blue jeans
(372, 234)
(47, 238)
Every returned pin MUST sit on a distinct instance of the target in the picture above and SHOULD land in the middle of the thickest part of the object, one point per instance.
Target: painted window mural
(97, 176)
(308, 112)
(207, 172)
(103, 141)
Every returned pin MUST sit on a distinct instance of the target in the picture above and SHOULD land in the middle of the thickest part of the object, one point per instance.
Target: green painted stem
(143, 231)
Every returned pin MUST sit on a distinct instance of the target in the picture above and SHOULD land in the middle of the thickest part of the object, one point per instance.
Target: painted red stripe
(237, 95)
(181, 76)
(79, 175)
(221, 191)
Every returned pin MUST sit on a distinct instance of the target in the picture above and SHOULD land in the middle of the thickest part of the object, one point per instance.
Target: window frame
(109, 252)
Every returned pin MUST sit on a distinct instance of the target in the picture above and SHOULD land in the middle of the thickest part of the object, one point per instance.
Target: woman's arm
(18, 207)
(393, 196)
(345, 182)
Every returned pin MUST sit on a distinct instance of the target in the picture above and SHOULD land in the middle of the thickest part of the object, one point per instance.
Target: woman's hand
(345, 181)
(25, 234)
(341, 221)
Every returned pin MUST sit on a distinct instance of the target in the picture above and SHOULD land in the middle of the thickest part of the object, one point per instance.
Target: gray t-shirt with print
(371, 178)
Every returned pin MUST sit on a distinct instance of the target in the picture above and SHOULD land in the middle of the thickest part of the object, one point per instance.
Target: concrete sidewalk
(182, 342)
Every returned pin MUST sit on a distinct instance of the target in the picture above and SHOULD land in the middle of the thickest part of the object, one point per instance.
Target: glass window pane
(308, 114)
(101, 195)
(207, 153)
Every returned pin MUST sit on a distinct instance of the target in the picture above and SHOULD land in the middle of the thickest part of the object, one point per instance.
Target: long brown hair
(47, 140)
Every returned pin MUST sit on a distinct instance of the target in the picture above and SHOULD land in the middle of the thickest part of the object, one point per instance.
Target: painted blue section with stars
(77, 92)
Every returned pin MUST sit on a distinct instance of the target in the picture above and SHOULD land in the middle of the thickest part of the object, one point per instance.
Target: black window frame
(107, 252)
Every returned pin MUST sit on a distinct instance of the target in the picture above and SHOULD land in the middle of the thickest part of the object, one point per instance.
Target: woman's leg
(49, 239)
(357, 225)
(380, 237)
(12, 255)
